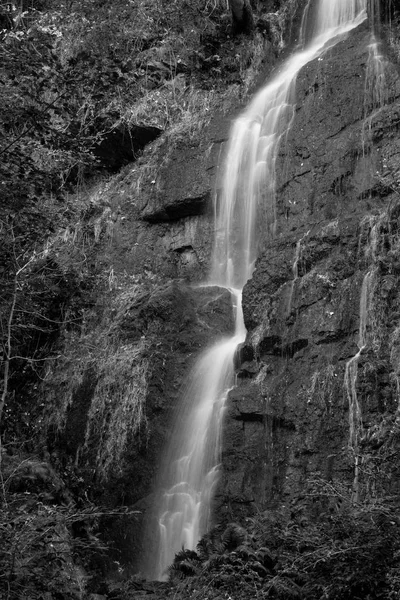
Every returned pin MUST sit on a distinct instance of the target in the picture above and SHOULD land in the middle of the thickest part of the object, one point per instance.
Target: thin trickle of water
(369, 238)
(245, 214)
(374, 13)
(375, 89)
(350, 380)
(305, 23)
(375, 98)
(295, 270)
(373, 241)
(376, 75)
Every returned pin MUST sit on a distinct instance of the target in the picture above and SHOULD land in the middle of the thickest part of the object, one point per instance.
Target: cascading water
(244, 212)
(194, 453)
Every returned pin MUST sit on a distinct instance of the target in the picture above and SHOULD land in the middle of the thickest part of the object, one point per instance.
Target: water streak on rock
(245, 215)
(350, 381)
(375, 91)
(295, 271)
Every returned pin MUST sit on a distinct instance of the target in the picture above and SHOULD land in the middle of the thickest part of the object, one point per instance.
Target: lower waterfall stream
(245, 214)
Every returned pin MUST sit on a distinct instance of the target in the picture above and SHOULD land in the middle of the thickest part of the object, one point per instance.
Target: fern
(186, 564)
(233, 536)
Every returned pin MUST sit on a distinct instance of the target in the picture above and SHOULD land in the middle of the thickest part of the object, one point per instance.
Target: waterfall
(184, 514)
(245, 214)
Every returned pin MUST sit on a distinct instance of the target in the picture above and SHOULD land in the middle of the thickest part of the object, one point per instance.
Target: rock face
(337, 204)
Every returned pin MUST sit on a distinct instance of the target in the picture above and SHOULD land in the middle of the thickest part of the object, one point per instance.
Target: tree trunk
(242, 16)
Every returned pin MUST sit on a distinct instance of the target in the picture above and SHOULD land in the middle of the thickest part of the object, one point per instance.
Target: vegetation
(348, 551)
(49, 541)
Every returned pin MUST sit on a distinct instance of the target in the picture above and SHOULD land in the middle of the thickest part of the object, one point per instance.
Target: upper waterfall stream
(244, 211)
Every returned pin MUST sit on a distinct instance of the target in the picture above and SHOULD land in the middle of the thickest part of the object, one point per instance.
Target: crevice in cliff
(180, 209)
(252, 417)
(278, 422)
(277, 346)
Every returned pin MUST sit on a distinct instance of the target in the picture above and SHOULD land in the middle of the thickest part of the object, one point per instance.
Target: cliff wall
(291, 417)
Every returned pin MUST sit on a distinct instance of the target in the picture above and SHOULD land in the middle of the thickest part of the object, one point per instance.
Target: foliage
(37, 553)
(38, 284)
(41, 144)
(112, 379)
(349, 551)
(47, 541)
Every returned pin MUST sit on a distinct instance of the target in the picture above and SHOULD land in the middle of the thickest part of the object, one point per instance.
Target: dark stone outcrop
(121, 144)
(184, 184)
(186, 191)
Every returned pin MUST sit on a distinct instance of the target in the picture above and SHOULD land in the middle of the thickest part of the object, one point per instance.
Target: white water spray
(245, 210)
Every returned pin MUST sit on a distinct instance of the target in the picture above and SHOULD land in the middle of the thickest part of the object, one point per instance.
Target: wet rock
(178, 308)
(248, 369)
(332, 125)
